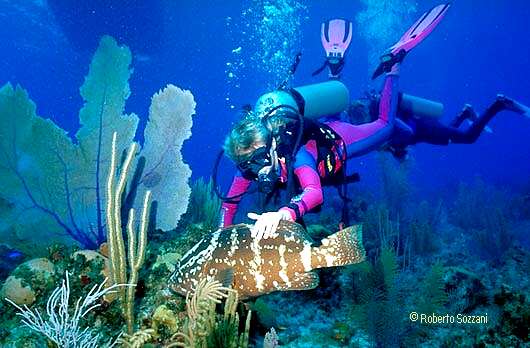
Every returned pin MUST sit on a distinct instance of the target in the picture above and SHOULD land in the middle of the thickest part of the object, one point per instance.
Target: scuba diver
(281, 139)
(417, 121)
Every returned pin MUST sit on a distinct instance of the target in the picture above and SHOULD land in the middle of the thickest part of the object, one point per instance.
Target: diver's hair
(364, 109)
(358, 112)
(245, 133)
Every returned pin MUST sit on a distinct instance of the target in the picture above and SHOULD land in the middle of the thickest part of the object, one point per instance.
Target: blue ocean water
(228, 53)
(477, 52)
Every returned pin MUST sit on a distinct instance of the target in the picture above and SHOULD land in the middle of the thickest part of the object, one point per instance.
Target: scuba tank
(332, 97)
(312, 101)
(304, 105)
(419, 107)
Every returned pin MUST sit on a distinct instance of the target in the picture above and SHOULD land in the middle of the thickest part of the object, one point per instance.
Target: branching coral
(138, 339)
(271, 339)
(62, 325)
(136, 245)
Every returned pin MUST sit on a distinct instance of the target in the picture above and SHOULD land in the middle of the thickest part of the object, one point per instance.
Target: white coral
(61, 326)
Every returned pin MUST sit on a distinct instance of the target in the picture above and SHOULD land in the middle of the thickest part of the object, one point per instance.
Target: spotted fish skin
(253, 267)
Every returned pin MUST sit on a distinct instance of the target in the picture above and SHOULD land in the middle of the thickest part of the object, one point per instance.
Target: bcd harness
(331, 155)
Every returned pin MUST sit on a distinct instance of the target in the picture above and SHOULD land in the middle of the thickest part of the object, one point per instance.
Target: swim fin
(336, 35)
(513, 105)
(412, 37)
(525, 110)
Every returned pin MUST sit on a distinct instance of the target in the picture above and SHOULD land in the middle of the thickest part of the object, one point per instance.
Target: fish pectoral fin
(304, 281)
(226, 277)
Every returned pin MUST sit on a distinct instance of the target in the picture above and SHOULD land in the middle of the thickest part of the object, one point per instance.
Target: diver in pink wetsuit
(282, 139)
(310, 167)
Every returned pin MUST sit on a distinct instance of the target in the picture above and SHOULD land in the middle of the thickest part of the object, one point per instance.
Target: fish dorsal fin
(344, 247)
(226, 277)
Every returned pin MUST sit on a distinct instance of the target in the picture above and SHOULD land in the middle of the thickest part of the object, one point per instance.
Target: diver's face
(261, 160)
(248, 151)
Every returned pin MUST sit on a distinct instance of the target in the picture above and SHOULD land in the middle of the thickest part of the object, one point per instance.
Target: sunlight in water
(269, 37)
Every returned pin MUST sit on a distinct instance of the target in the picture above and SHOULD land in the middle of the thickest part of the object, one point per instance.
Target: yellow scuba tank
(312, 101)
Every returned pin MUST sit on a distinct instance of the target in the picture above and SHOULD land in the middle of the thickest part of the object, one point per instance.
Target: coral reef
(465, 288)
(62, 323)
(27, 280)
(271, 339)
(515, 314)
(55, 184)
(202, 326)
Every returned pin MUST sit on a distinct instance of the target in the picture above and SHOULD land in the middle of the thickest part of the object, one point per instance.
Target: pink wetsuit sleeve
(361, 139)
(311, 195)
(228, 209)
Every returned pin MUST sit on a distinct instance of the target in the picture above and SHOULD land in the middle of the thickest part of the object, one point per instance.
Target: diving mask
(259, 159)
(262, 166)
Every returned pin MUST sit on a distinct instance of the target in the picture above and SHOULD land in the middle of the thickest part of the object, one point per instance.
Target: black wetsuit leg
(471, 134)
(434, 132)
(467, 114)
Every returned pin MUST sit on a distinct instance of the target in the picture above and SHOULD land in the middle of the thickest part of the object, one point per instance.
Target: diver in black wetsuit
(411, 129)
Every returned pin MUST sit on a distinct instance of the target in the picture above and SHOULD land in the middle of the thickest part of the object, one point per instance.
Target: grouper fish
(284, 261)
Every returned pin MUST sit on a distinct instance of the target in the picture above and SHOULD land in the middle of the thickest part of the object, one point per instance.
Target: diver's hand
(267, 223)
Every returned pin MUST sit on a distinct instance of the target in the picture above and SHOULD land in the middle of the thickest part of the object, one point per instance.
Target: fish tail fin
(342, 248)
